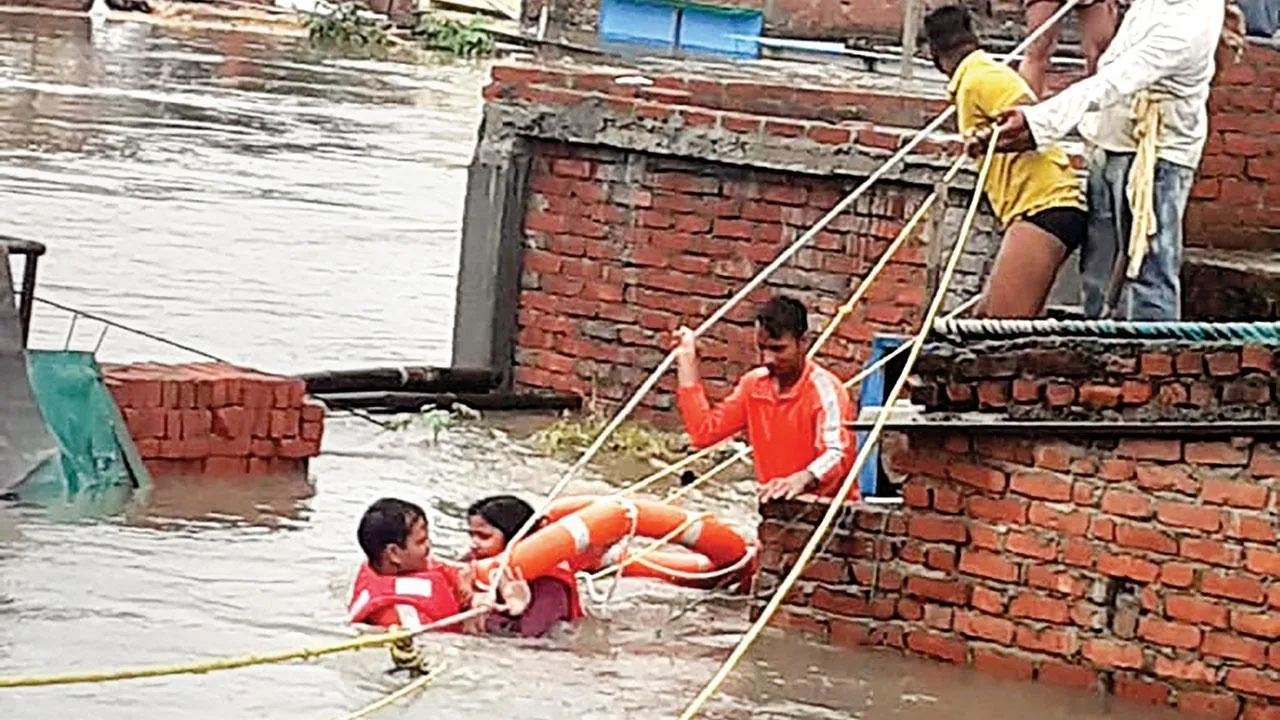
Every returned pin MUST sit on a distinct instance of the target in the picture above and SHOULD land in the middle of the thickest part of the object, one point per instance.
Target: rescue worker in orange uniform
(796, 413)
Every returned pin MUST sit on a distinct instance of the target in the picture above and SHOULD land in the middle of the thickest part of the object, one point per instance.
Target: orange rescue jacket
(806, 427)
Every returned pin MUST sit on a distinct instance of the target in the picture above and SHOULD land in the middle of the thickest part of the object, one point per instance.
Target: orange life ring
(582, 527)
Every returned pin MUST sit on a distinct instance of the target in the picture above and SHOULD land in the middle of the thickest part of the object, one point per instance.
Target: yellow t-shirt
(1019, 184)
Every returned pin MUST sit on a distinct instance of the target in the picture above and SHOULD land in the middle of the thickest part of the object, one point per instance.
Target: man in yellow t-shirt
(1036, 195)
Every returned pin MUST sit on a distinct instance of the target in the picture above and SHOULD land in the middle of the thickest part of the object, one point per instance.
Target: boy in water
(401, 584)
(1036, 195)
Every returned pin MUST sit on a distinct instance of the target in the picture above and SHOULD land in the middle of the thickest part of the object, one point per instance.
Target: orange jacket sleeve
(836, 449)
(708, 425)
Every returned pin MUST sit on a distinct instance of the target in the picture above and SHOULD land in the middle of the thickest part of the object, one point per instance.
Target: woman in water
(553, 598)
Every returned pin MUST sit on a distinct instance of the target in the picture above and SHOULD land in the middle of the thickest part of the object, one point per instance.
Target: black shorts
(1069, 225)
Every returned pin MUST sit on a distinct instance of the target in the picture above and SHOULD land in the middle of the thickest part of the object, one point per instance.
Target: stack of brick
(1142, 564)
(217, 420)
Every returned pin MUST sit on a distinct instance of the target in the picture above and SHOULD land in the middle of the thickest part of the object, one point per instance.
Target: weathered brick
(1039, 607)
(1223, 364)
(1247, 495)
(1003, 510)
(1227, 645)
(937, 646)
(1003, 665)
(1189, 516)
(1264, 625)
(1074, 522)
(1141, 691)
(1262, 561)
(1253, 682)
(1171, 634)
(1127, 504)
(1166, 477)
(984, 627)
(1149, 449)
(1193, 609)
(988, 565)
(937, 529)
(1113, 654)
(1053, 672)
(1210, 551)
(1214, 706)
(1128, 566)
(1041, 485)
(1144, 537)
(1234, 587)
(1031, 545)
(987, 600)
(1189, 670)
(1215, 453)
(983, 478)
(947, 591)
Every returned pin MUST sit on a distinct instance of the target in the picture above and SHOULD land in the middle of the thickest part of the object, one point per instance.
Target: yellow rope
(1140, 189)
(882, 417)
(200, 667)
(883, 262)
(398, 695)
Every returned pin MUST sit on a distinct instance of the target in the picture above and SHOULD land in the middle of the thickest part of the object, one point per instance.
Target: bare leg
(1036, 64)
(1023, 273)
(1097, 27)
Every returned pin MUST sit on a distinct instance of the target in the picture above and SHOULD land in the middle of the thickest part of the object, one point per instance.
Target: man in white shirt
(1165, 47)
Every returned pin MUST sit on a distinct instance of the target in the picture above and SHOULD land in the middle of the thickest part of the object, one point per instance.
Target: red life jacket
(411, 600)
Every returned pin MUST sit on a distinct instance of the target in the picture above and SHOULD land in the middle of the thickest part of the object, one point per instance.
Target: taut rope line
(882, 417)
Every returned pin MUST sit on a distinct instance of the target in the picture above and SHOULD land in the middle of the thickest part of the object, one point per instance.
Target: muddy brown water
(228, 191)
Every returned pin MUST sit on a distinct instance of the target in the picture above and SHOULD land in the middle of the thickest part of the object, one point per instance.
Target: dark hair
(949, 28)
(387, 522)
(507, 513)
(783, 316)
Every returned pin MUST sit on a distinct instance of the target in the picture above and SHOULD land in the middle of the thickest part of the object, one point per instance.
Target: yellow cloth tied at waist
(1140, 189)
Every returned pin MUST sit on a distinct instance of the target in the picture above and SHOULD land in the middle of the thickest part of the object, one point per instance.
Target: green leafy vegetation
(640, 441)
(466, 40)
(350, 28)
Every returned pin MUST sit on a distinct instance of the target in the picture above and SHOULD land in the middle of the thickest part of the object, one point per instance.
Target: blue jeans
(1156, 294)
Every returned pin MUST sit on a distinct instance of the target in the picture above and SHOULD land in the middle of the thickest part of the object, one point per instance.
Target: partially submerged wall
(601, 215)
(215, 420)
(1132, 557)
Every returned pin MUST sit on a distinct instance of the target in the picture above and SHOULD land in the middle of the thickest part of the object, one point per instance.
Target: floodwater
(225, 191)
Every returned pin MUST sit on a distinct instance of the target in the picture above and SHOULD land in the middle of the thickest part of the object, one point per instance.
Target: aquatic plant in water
(468, 39)
(635, 440)
(433, 419)
(349, 27)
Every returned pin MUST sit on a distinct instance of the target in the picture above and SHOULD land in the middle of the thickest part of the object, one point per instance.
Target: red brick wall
(1148, 565)
(1236, 202)
(217, 420)
(622, 248)
(673, 91)
(1096, 380)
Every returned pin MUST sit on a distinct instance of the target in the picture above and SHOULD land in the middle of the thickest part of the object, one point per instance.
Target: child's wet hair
(507, 513)
(387, 522)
